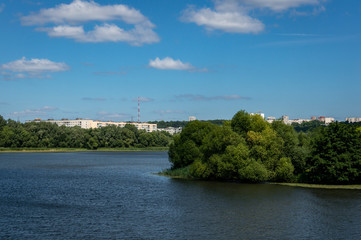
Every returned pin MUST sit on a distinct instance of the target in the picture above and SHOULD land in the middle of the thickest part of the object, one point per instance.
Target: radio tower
(138, 109)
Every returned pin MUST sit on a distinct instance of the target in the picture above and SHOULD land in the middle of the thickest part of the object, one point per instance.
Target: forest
(49, 135)
(248, 149)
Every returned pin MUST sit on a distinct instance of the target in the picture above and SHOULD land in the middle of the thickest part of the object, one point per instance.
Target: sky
(207, 58)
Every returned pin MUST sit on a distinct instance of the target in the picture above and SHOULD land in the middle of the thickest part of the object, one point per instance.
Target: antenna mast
(138, 109)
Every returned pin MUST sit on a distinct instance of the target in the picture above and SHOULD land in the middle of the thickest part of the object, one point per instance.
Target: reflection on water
(114, 195)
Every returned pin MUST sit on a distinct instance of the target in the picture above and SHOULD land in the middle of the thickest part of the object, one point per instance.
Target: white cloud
(105, 33)
(93, 99)
(80, 11)
(228, 21)
(197, 97)
(34, 112)
(112, 116)
(233, 16)
(168, 63)
(163, 112)
(279, 5)
(143, 99)
(34, 68)
(66, 20)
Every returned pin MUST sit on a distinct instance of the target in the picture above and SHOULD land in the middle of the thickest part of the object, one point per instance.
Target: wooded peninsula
(248, 149)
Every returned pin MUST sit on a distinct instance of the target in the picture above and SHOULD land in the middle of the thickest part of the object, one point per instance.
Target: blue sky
(93, 59)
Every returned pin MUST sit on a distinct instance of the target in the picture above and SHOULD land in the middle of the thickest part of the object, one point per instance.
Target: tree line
(248, 149)
(49, 135)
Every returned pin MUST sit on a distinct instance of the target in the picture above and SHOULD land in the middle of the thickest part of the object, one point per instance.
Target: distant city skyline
(208, 59)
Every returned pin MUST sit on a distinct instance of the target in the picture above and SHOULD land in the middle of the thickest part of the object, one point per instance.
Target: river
(114, 195)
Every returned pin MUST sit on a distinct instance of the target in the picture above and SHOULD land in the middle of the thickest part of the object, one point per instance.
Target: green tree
(295, 145)
(336, 155)
(92, 143)
(241, 123)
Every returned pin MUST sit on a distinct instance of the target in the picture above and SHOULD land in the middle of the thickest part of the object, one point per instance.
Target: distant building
(171, 130)
(271, 119)
(326, 120)
(353, 119)
(192, 118)
(87, 124)
(285, 118)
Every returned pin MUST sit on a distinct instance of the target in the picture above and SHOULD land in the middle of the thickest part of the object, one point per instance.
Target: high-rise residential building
(192, 118)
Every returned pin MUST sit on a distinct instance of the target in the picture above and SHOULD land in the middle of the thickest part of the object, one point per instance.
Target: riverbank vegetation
(31, 150)
(248, 149)
(44, 135)
(321, 186)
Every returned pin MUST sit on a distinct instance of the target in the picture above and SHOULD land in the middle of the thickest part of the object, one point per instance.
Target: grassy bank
(15, 150)
(323, 186)
(176, 173)
(183, 173)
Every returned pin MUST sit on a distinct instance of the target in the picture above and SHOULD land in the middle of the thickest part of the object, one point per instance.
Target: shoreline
(302, 185)
(320, 186)
(58, 150)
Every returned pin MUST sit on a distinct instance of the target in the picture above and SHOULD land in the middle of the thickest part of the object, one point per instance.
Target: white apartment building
(83, 123)
(171, 130)
(353, 119)
(148, 127)
(326, 120)
(87, 124)
(271, 119)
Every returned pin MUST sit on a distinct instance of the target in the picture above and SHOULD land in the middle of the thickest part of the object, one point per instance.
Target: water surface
(114, 195)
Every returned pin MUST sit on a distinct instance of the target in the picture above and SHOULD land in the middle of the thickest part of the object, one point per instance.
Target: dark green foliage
(2, 122)
(295, 147)
(336, 155)
(241, 123)
(163, 124)
(185, 149)
(248, 149)
(307, 126)
(47, 135)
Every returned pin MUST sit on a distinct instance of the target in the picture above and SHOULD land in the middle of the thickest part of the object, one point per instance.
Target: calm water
(114, 195)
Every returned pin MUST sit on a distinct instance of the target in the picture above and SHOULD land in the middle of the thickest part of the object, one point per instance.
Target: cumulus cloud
(34, 112)
(197, 97)
(108, 116)
(168, 63)
(164, 112)
(233, 16)
(143, 99)
(93, 99)
(229, 20)
(279, 5)
(67, 19)
(33, 68)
